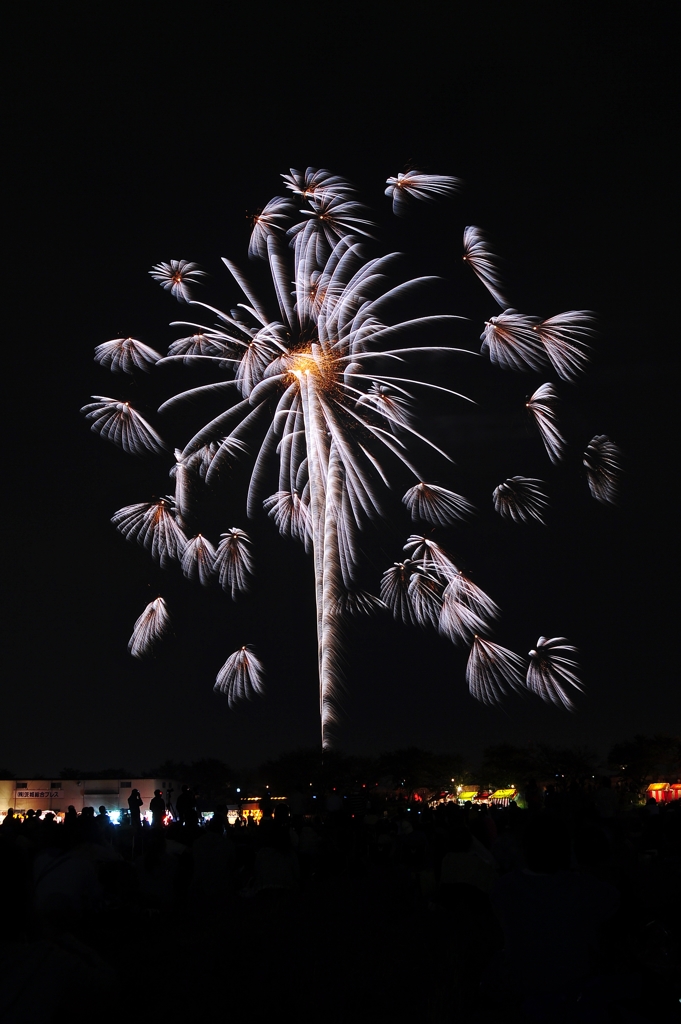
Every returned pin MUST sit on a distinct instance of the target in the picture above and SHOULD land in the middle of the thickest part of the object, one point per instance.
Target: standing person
(10, 821)
(104, 824)
(134, 803)
(186, 807)
(158, 809)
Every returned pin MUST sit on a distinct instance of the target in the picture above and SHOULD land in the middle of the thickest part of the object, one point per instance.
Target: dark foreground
(452, 915)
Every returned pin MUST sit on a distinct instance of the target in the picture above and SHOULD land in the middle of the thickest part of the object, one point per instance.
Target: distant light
(238, 790)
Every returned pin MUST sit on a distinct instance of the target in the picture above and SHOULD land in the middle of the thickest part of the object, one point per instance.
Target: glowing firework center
(345, 417)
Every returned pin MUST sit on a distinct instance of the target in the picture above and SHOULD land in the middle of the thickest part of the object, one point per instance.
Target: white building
(57, 794)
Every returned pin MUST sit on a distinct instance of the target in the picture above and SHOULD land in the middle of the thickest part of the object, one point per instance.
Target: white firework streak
(439, 594)
(153, 525)
(395, 591)
(483, 262)
(316, 182)
(564, 338)
(241, 676)
(203, 343)
(233, 562)
(198, 560)
(176, 277)
(492, 669)
(435, 560)
(321, 382)
(125, 355)
(425, 594)
(428, 187)
(436, 505)
(552, 667)
(271, 218)
(119, 423)
(182, 476)
(541, 405)
(603, 464)
(152, 625)
(511, 343)
(520, 498)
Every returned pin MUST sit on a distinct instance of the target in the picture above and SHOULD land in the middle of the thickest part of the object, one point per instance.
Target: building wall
(57, 794)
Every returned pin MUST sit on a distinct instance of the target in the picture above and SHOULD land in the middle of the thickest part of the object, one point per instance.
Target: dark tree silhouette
(648, 758)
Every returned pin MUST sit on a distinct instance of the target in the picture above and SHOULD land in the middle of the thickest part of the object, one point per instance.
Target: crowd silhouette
(565, 911)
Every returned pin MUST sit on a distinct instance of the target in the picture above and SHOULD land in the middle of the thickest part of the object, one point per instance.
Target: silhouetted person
(30, 821)
(218, 823)
(71, 818)
(158, 809)
(186, 807)
(266, 805)
(134, 803)
(534, 796)
(10, 821)
(104, 824)
(88, 830)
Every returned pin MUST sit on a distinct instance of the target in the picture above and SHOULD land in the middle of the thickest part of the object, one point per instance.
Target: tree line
(635, 760)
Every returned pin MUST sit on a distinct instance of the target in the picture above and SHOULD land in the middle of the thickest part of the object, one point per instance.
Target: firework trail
(318, 374)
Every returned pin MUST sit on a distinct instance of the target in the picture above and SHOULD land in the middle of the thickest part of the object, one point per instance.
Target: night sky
(151, 134)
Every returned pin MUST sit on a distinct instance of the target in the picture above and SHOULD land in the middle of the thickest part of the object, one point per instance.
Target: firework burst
(318, 392)
(152, 625)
